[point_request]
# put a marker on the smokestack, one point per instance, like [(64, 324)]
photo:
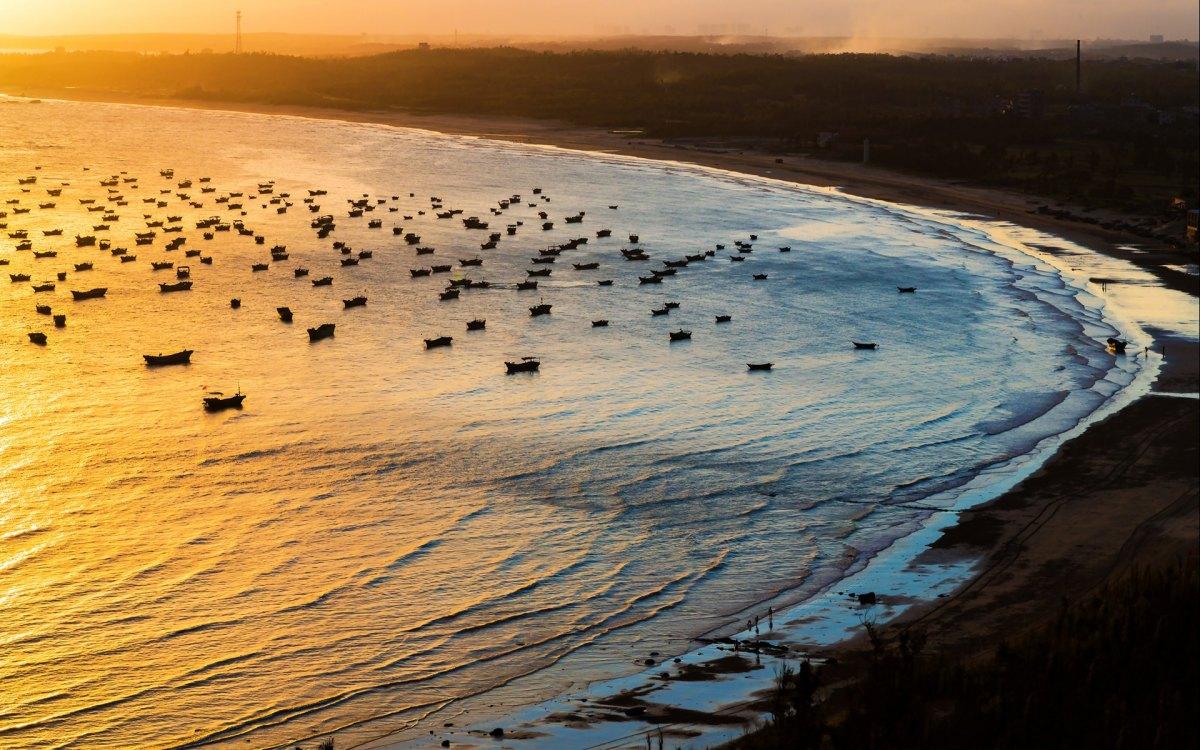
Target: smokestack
[(1078, 67)]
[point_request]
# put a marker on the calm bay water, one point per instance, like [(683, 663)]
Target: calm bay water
[(383, 529)]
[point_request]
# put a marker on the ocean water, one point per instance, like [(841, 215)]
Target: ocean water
[(383, 530)]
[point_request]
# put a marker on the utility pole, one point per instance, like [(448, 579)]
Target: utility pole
[(1078, 67), (237, 46)]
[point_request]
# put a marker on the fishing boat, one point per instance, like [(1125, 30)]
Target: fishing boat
[(259, 266), (649, 279), (760, 277), (182, 357), (42, 309), (439, 341), (285, 314), (349, 261), (724, 318), (83, 266), (660, 311), (37, 337), (538, 272), (586, 266), (680, 335), (603, 233), (760, 365), (602, 323), (527, 364), (218, 401), (605, 282), (906, 289), (323, 281), (235, 303), (541, 309), (95, 293), (323, 331), (470, 262), (161, 265), (178, 286), (864, 345), (478, 324), (359, 301), (448, 294), (298, 272), (60, 321), (523, 286)]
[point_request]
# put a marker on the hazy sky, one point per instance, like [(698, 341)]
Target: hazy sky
[(967, 18)]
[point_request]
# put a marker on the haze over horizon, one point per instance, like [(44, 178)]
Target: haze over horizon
[(1017, 19)]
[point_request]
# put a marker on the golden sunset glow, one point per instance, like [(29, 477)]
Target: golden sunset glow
[(573, 375)]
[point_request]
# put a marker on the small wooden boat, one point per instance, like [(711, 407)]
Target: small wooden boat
[(323, 331), (95, 293), (161, 265), (178, 358), (83, 266), (298, 272), (633, 239), (219, 402), (448, 294), (60, 321), (206, 260), (680, 335), (538, 272), (603, 233), (235, 303), (46, 287), (605, 282), (527, 364), (259, 266), (470, 262), (602, 323), (660, 311), (45, 254), (906, 289), (864, 345), (760, 365), (440, 269), (785, 249), (37, 337), (349, 261), (478, 324), (128, 258), (586, 266), (542, 309), (323, 281), (760, 277), (439, 341), (649, 279), (359, 301), (178, 286), (724, 318), (52, 232), (42, 309), (671, 305), (285, 314), (736, 258), (526, 285), (543, 259)]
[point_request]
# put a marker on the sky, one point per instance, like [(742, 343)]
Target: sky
[(1019, 19)]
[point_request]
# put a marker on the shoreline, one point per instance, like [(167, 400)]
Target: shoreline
[(866, 181), (967, 541)]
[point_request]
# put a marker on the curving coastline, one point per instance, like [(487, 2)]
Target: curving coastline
[(1049, 449)]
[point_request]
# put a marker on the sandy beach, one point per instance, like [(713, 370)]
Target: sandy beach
[(1124, 493)]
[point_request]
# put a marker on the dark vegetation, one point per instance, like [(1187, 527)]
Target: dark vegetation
[(1115, 670), (1126, 141)]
